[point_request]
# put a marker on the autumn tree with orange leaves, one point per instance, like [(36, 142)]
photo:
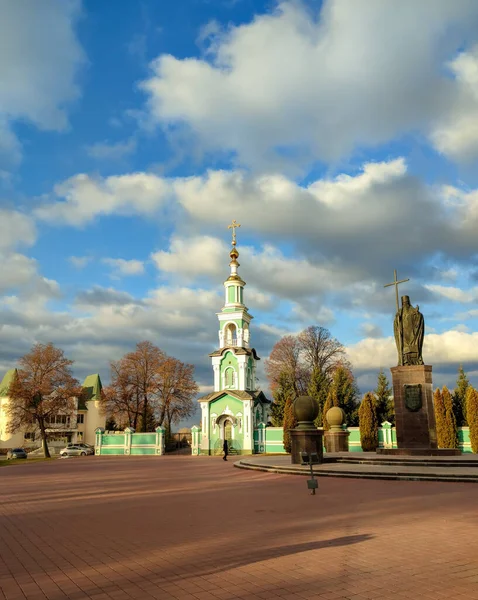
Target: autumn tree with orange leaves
[(149, 388), (42, 390)]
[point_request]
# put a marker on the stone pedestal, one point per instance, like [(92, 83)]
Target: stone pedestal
[(336, 441), (306, 440), (414, 412)]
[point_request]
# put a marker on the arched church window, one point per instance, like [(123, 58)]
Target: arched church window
[(231, 335), (229, 376)]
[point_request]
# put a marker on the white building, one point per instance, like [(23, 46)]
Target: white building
[(78, 427)]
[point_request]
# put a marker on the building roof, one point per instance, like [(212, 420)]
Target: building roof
[(6, 382), (237, 350), (92, 387), (240, 395)]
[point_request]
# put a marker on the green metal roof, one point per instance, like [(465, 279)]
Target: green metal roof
[(6, 382), (92, 387)]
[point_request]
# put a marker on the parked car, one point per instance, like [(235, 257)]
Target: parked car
[(16, 453), (82, 445), (76, 450)]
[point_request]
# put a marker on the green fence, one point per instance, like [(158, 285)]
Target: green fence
[(268, 440), (129, 442)]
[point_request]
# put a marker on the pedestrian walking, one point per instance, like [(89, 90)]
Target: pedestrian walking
[(225, 449)]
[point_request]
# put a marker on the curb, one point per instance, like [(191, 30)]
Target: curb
[(460, 478)]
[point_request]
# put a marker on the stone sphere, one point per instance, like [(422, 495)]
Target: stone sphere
[(306, 409), (335, 417)]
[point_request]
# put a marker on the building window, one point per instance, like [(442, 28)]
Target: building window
[(229, 377), (30, 436), (80, 419)]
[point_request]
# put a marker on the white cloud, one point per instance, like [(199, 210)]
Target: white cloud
[(15, 229), (455, 294), (39, 61), (293, 86), (456, 134), (112, 151), (80, 262), (84, 198), (202, 255), (371, 330), (123, 267), (449, 348)]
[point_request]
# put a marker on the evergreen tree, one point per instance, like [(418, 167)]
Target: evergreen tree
[(289, 423), (347, 393), (384, 400), (368, 423), (440, 417), (319, 388), (281, 393), (451, 434), (472, 416), (459, 398), (330, 401)]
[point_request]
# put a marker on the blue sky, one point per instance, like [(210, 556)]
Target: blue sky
[(343, 137)]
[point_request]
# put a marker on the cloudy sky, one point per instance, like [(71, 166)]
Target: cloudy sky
[(342, 135)]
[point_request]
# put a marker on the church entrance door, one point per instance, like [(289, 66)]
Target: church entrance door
[(228, 431)]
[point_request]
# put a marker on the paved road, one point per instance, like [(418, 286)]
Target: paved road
[(196, 528)]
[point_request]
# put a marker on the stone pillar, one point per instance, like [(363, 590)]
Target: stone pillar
[(414, 412), (99, 433), (195, 433), (160, 440), (128, 434), (306, 437), (336, 439), (306, 440)]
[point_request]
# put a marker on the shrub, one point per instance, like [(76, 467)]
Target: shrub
[(289, 423), (331, 396), (440, 418), (472, 417), (368, 423), (451, 438)]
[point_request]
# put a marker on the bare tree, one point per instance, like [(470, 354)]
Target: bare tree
[(148, 388), (43, 392), (120, 400), (285, 362), (140, 369), (321, 352), (177, 389)]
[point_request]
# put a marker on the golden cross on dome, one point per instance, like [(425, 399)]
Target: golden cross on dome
[(233, 226)]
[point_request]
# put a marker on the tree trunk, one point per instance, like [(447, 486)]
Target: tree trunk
[(46, 450), (144, 427)]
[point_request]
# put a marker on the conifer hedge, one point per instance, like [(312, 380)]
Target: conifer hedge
[(368, 423), (440, 418), (289, 423), (328, 404), (472, 416), (450, 438)]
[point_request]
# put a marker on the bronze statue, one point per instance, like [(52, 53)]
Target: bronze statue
[(409, 330)]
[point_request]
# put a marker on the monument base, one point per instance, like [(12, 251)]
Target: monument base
[(418, 451), (306, 440), (336, 441), (414, 411)]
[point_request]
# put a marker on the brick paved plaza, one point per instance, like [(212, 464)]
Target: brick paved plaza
[(183, 527)]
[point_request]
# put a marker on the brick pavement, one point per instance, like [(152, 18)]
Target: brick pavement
[(196, 528)]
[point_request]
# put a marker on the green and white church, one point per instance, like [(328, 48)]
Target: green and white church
[(235, 407)]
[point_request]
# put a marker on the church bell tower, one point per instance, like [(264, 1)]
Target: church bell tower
[(234, 364)]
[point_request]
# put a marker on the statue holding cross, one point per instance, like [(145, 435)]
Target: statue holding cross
[(408, 328)]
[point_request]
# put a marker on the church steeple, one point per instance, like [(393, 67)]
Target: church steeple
[(238, 371)]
